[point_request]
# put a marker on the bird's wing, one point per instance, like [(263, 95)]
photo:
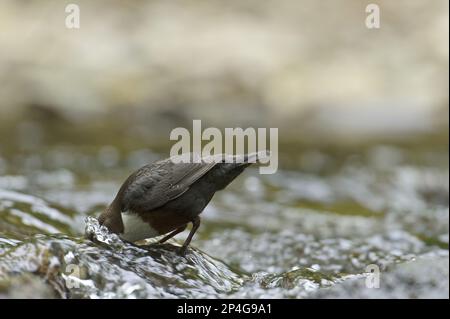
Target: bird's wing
[(156, 184)]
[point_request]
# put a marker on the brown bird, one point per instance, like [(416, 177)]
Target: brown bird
[(163, 197)]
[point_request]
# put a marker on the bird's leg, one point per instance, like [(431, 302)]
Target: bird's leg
[(195, 226), (173, 233)]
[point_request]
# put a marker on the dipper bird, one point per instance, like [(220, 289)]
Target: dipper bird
[(163, 197)]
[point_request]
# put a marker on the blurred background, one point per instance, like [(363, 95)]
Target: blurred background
[(141, 68), (362, 117)]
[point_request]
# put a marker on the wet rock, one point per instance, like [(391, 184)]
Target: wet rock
[(25, 286), (110, 268)]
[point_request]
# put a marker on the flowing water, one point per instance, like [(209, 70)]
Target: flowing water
[(361, 199), (316, 228)]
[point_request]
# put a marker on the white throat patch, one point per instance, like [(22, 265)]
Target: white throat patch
[(135, 228)]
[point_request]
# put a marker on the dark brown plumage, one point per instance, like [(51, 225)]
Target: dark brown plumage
[(164, 197)]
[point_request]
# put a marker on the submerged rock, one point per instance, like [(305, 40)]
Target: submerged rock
[(25, 286), (110, 268)]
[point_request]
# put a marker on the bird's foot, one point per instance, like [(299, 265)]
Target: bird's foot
[(182, 251)]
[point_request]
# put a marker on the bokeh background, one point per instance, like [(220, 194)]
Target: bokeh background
[(362, 117), (311, 68)]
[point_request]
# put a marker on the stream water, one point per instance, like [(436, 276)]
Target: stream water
[(300, 233)]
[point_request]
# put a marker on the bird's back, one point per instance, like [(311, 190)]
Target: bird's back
[(169, 192)]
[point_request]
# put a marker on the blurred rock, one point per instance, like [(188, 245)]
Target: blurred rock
[(25, 286), (273, 63), (426, 277)]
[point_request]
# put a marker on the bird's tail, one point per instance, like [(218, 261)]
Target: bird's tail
[(247, 159), (233, 165), (244, 159), (256, 156)]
